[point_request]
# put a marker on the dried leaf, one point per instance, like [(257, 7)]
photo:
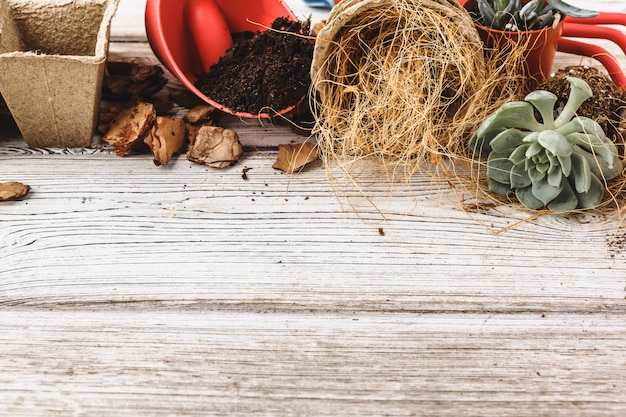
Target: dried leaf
[(293, 157), (215, 147), (130, 127), (165, 139), (13, 190)]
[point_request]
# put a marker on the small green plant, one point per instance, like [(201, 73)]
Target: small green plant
[(560, 164), (514, 15)]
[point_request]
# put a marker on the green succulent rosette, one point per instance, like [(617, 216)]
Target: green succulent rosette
[(560, 164)]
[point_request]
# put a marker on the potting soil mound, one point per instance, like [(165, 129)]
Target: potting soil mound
[(263, 72)]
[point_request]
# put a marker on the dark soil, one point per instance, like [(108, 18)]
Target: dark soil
[(263, 72), (607, 106)]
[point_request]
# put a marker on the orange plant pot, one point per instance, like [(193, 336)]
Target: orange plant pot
[(539, 46)]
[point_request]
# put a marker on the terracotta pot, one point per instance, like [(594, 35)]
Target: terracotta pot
[(540, 46)]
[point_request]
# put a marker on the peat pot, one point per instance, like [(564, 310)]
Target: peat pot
[(52, 59)]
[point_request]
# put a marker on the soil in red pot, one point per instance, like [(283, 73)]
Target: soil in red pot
[(263, 72)]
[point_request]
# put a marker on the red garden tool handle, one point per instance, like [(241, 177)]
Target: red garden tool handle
[(603, 18), (594, 51), (580, 30)]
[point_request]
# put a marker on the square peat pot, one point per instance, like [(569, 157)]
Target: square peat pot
[(52, 59)]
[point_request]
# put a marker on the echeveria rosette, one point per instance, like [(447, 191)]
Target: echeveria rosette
[(560, 164)]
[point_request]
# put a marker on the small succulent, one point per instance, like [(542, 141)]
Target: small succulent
[(560, 164), (514, 15)]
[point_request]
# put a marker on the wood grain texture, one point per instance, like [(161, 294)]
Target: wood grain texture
[(133, 290)]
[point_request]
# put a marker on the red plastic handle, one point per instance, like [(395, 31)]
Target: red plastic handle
[(579, 30), (593, 51), (603, 18)]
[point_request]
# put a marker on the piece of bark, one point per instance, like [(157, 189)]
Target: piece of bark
[(200, 115), (128, 128), (13, 190), (215, 147), (165, 138), (293, 157), (107, 114), (126, 80)]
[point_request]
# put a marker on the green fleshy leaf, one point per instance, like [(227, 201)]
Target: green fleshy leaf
[(510, 138), (533, 149), (569, 10), (517, 114), (555, 143), (499, 167), (545, 192), (544, 102), (535, 175), (519, 177), (528, 200), (565, 162), (498, 188), (566, 201), (555, 177), (593, 197), (542, 167), (519, 154), (581, 173)]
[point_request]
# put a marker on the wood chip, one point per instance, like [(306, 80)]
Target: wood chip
[(293, 157), (200, 115), (13, 190), (215, 147), (165, 138), (129, 127), (126, 80)]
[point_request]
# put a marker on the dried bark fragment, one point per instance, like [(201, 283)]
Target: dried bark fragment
[(126, 80), (129, 127), (13, 190), (215, 147), (198, 116), (293, 157), (107, 114), (165, 139)]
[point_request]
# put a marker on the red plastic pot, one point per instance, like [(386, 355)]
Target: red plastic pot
[(188, 36)]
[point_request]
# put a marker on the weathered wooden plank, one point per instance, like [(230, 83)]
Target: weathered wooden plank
[(189, 363), (99, 229)]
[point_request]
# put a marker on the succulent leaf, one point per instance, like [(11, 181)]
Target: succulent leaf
[(519, 177), (582, 173), (507, 139), (565, 201), (499, 167), (544, 102), (554, 142), (593, 197), (579, 92), (528, 200), (569, 10)]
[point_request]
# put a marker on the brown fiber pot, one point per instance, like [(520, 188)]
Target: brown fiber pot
[(540, 46)]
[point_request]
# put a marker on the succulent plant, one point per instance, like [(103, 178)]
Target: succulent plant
[(514, 15), (558, 163)]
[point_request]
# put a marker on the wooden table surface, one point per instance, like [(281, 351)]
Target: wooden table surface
[(133, 290)]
